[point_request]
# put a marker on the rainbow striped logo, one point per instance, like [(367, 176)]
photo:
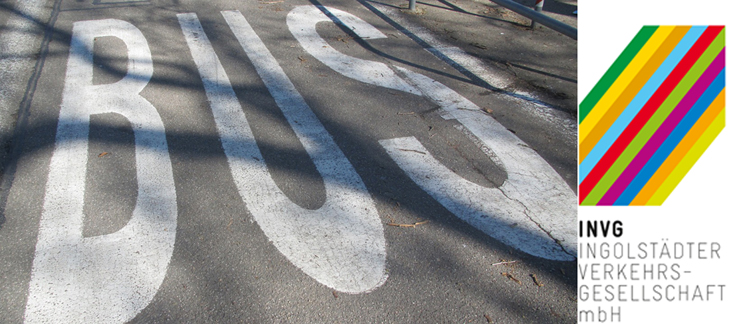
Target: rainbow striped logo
[(652, 115)]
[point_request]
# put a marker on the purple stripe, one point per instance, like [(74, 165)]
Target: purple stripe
[(664, 130)]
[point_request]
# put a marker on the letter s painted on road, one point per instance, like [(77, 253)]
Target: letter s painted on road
[(534, 210)]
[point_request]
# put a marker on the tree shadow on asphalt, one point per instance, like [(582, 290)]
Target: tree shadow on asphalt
[(542, 53), (454, 8), (446, 266), (469, 75), (558, 7)]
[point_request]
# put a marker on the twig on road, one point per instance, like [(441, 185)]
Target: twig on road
[(511, 277), (407, 225), (408, 150)]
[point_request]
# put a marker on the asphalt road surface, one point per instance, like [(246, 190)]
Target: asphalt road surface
[(272, 161)]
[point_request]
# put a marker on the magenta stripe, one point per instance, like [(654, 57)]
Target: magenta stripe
[(664, 130)]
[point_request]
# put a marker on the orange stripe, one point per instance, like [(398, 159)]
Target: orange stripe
[(632, 90), (681, 150)]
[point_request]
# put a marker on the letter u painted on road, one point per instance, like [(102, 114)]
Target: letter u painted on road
[(341, 244), (107, 278)]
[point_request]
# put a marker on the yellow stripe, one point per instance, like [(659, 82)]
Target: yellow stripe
[(681, 150), (623, 80), (632, 90), (693, 155)]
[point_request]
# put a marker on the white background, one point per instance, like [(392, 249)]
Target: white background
[(708, 204)]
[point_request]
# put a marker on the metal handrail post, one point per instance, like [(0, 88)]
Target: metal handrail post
[(412, 5), (538, 8), (539, 18)]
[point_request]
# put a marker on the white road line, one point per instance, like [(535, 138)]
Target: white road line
[(548, 202), (108, 278), (341, 244)]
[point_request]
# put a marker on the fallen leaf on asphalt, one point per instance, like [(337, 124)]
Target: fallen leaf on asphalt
[(489, 319), (536, 281), (103, 154)]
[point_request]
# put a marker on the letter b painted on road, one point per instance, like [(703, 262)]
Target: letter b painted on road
[(107, 278)]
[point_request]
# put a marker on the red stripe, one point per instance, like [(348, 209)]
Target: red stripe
[(647, 111)]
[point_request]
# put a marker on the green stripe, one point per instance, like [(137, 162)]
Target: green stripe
[(656, 120), (614, 71)]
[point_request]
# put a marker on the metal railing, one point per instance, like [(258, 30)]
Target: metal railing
[(535, 16)]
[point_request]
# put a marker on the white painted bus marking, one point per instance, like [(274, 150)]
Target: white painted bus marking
[(548, 202), (107, 278), (488, 209), (341, 244)]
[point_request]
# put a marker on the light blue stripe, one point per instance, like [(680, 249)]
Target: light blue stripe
[(671, 142), (639, 101)]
